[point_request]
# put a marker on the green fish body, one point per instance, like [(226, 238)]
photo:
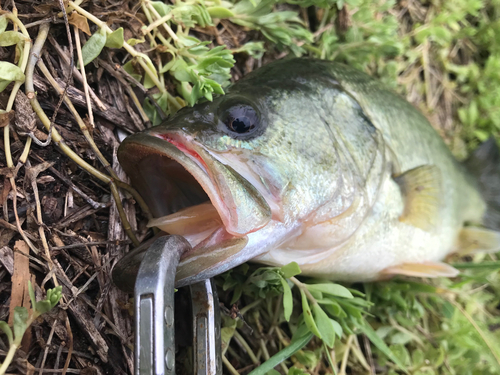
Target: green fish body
[(313, 162)]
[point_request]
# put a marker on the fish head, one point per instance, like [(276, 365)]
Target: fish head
[(257, 161)]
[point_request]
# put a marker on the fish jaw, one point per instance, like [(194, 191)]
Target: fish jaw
[(157, 160), (202, 265), (176, 176)]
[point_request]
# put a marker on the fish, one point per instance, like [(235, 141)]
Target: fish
[(318, 163)]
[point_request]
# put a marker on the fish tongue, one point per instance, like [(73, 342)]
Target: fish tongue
[(193, 223)]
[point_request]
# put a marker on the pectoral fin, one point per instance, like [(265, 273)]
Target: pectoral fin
[(421, 188), (477, 240), (426, 269)]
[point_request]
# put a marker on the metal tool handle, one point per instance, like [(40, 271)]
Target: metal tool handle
[(206, 329), (154, 307)]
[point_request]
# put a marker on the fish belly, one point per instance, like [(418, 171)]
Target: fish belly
[(381, 241)]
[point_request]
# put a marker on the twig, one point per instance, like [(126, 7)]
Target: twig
[(135, 100), (33, 174), (47, 346), (247, 347), (85, 84), (70, 346), (85, 244), (63, 94), (79, 120), (40, 22), (368, 351), (64, 56), (75, 188)]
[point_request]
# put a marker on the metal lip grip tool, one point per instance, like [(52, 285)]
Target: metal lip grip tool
[(154, 309)]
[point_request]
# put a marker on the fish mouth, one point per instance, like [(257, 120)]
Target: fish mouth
[(192, 194)]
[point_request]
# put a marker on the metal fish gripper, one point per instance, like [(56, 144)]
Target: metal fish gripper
[(154, 314)]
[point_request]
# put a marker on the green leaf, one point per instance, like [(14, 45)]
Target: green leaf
[(168, 66), (10, 72), (162, 8), (6, 329), (254, 49), (56, 295), (43, 306), (20, 322), (115, 39), (291, 269), (32, 294), (287, 299), (282, 355), (216, 87), (130, 69), (296, 371), (308, 317), (380, 344), (219, 12), (93, 47), (218, 60), (133, 41), (9, 38), (324, 324), (402, 353), (226, 334), (3, 23), (337, 328), (238, 291), (186, 91), (330, 288), (332, 307), (4, 84), (400, 338), (148, 82)]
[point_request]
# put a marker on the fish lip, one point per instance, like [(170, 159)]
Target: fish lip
[(185, 151)]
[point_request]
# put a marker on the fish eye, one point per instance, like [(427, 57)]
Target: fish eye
[(240, 118)]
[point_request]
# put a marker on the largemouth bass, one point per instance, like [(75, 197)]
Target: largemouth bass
[(313, 162)]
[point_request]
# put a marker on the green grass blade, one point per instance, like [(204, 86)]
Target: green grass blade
[(282, 355), (494, 265), (380, 344)]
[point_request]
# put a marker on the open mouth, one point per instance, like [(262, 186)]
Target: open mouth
[(190, 193)]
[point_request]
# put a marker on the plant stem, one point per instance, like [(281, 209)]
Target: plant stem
[(26, 151), (8, 359), (157, 23), (165, 26), (228, 365), (303, 287), (17, 85), (247, 347)]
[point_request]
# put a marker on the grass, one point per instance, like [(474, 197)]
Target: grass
[(443, 56)]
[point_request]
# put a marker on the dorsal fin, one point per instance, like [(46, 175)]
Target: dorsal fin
[(421, 188)]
